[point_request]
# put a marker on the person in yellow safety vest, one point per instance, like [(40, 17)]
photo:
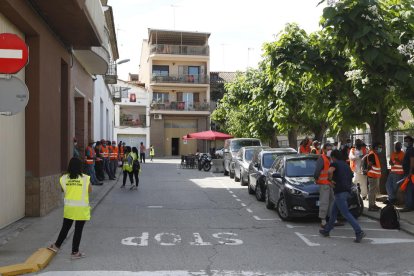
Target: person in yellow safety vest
[(113, 159), (152, 152), (136, 167), (396, 173), (315, 149), (374, 175), (355, 161), (127, 167), (76, 187), (326, 195)]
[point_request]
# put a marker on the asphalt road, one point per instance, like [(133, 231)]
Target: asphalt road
[(186, 222)]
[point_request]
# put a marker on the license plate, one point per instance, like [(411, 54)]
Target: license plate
[(317, 203)]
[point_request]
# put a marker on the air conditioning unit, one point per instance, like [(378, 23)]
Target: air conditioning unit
[(157, 116)]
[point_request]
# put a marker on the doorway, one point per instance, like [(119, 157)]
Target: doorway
[(175, 142)]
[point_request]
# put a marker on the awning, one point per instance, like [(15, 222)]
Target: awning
[(207, 135)]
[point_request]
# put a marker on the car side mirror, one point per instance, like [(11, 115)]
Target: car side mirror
[(276, 175), (256, 165)]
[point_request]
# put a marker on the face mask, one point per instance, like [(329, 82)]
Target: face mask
[(349, 144), (379, 150), (328, 153), (407, 144), (334, 147)]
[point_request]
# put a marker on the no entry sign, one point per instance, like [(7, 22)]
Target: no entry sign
[(13, 53)]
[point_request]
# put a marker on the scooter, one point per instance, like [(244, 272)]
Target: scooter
[(204, 162)]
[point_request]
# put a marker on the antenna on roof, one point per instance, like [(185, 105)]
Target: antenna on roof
[(174, 6)]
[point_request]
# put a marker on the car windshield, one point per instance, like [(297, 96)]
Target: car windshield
[(248, 155), (236, 145), (300, 167), (269, 158)]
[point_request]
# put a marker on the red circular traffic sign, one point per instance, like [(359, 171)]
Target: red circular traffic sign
[(13, 53)]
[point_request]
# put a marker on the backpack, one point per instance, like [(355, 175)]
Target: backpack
[(389, 217)]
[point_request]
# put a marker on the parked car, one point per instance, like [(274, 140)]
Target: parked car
[(231, 147), (219, 153), (243, 159), (261, 163), (291, 188)]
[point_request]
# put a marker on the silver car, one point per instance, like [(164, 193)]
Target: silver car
[(231, 147), (241, 165)]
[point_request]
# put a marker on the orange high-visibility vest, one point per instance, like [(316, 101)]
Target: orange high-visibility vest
[(121, 153), (315, 150), (105, 152), (90, 154), (304, 149), (353, 162), (397, 167), (114, 153), (375, 171), (323, 176), (407, 180)]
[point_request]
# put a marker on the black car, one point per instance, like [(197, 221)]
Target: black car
[(261, 162), (291, 188)]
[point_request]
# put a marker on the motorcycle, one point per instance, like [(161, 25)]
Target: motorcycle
[(204, 162)]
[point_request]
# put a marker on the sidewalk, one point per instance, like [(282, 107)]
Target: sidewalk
[(20, 239), (406, 219)]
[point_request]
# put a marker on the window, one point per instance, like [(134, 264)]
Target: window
[(248, 156), (160, 70), (131, 117), (160, 97), (189, 98), (300, 167)]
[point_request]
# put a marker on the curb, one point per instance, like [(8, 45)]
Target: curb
[(404, 225), (43, 256)]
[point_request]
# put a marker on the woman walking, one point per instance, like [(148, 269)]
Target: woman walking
[(152, 152), (127, 167), (136, 167), (76, 187)]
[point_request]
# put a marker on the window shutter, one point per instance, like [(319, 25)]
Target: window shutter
[(179, 96), (196, 97)]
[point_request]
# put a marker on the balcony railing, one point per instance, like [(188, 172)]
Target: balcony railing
[(197, 79), (181, 106), (168, 49), (126, 121)]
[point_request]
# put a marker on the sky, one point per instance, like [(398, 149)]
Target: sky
[(238, 28)]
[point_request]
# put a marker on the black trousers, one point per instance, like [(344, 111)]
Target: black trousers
[(99, 170), (67, 224), (131, 177), (142, 157), (136, 173)]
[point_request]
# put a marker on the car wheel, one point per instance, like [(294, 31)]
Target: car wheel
[(226, 172), (242, 182), (249, 188), (282, 209), (231, 174), (269, 204), (236, 179), (259, 192)]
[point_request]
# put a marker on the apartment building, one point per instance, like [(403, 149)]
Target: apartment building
[(67, 51), (175, 68), (132, 120)]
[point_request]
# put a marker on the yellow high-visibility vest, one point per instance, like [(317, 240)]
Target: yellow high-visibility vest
[(152, 151), (126, 166), (76, 197)]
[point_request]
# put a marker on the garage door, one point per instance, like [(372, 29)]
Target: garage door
[(132, 140)]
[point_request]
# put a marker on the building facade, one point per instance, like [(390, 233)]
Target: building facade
[(65, 54), (132, 120), (175, 68)]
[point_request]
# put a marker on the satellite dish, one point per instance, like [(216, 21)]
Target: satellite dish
[(14, 96)]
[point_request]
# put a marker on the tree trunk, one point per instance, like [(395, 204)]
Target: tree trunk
[(319, 133), (274, 142), (377, 126), (293, 137), (343, 135)]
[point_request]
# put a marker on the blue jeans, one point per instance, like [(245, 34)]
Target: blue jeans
[(91, 172), (340, 204), (392, 186)]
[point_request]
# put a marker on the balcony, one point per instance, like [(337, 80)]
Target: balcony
[(189, 79), (190, 50), (95, 60), (180, 106)]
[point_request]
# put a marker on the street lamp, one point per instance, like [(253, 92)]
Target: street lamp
[(123, 61)]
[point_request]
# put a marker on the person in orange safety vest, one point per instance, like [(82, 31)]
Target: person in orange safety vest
[(304, 147), (356, 154), (374, 175), (113, 158), (90, 163), (396, 173)]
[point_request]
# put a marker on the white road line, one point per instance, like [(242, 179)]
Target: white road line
[(368, 229), (242, 204), (154, 207), (11, 53), (249, 210), (257, 218), (294, 226), (373, 240), (234, 195), (231, 192), (305, 240), (238, 199)]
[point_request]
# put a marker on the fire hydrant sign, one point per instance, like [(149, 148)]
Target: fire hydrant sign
[(13, 53)]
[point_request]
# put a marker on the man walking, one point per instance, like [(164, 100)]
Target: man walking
[(355, 157), (326, 195), (396, 174), (408, 167), (142, 150), (340, 176), (374, 175)]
